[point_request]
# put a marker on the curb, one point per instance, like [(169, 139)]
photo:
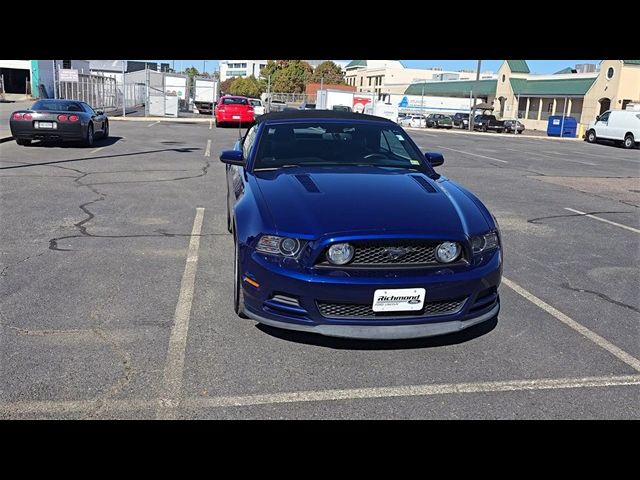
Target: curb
[(160, 119), (5, 139), (501, 135)]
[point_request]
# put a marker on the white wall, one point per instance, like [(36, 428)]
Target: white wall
[(18, 64)]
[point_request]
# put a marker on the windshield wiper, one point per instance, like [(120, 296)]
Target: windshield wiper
[(264, 169)]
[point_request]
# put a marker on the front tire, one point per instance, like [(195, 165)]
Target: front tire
[(238, 294), (105, 132), (24, 143), (629, 141), (591, 136), (88, 139)]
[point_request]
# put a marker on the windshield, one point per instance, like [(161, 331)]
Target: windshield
[(256, 103), (234, 101), (57, 106), (337, 144)]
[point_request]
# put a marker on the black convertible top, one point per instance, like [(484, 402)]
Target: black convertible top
[(318, 114)]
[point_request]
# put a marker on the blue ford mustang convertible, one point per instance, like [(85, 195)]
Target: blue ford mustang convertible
[(342, 227)]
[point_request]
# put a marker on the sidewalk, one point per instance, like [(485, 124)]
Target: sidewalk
[(5, 136), (453, 131), (161, 119)]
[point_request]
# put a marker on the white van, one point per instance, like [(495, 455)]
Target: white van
[(618, 125)]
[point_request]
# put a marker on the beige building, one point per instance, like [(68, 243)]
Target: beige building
[(516, 93), (390, 76)]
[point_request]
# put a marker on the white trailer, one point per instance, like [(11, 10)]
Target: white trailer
[(432, 104), (328, 98), (205, 93)]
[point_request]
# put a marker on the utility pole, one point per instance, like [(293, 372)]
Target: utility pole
[(422, 109), (55, 87), (269, 94), (204, 69), (475, 96), (124, 92)]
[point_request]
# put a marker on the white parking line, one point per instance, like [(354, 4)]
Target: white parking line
[(152, 124), (562, 159), (410, 391), (603, 220), (114, 405), (594, 337), (174, 367), (474, 154), (207, 151), (97, 150), (424, 133), (607, 158), (210, 123)]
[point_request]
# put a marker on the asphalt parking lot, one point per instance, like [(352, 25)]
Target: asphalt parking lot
[(116, 291)]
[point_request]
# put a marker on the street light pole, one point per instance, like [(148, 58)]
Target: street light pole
[(475, 96)]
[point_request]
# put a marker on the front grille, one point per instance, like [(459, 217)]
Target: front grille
[(351, 310), (388, 254)]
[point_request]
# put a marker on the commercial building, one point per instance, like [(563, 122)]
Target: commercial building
[(240, 68), (384, 77), (35, 77), (582, 92)]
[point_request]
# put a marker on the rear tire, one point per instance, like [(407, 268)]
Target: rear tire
[(105, 132), (629, 141), (238, 294), (484, 128), (24, 143), (591, 136), (88, 139)]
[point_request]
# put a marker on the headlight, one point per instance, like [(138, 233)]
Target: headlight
[(340, 253), (447, 252), (289, 247), (485, 242)]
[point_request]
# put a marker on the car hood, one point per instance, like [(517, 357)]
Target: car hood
[(320, 201)]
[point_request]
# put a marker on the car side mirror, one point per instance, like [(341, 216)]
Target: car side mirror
[(435, 158), (597, 118), (100, 112), (232, 157)]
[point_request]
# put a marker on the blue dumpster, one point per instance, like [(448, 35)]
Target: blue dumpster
[(568, 127)]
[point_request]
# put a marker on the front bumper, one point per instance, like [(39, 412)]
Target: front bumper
[(475, 285)]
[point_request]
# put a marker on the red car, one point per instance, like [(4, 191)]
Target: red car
[(231, 109)]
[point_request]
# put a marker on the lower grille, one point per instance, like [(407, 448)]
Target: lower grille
[(351, 310)]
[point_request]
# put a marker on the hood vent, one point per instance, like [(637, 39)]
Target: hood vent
[(308, 183), (424, 183)]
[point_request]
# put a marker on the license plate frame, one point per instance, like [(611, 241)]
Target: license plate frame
[(398, 299)]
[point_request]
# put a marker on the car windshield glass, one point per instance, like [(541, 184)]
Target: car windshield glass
[(255, 103), (337, 144), (57, 106), (234, 101)]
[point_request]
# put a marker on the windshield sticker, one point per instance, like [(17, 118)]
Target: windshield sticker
[(400, 137), (415, 162)]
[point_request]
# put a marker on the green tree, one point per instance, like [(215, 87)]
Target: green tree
[(191, 72), (292, 77), (225, 86), (329, 72), (246, 87)]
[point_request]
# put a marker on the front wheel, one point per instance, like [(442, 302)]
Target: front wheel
[(105, 131), (591, 136), (629, 141), (238, 294)]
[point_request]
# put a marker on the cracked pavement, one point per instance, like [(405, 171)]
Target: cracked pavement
[(93, 251)]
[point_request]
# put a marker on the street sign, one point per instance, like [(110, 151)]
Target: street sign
[(68, 75)]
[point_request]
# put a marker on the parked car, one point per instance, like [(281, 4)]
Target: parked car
[(438, 120), (461, 120), (621, 126), (234, 109), (61, 120), (488, 122), (327, 212), (307, 106), (414, 121), (277, 105), (341, 108), (515, 126), (258, 106)]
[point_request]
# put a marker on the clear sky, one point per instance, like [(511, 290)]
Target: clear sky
[(536, 66)]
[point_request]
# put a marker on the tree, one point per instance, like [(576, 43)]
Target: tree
[(292, 78), (225, 86), (246, 87), (191, 72), (329, 72)]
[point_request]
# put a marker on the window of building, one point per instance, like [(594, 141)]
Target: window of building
[(370, 78), (503, 77), (361, 78), (610, 73), (625, 103), (66, 63)]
